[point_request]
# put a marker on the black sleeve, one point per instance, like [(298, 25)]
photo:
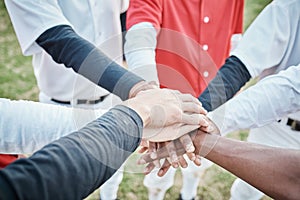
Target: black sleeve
[(66, 47), (74, 166), (230, 78)]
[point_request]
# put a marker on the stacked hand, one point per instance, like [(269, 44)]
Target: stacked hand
[(167, 115), (176, 148)]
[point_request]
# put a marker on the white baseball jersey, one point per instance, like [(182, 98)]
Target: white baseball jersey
[(269, 100), (270, 44), (97, 21)]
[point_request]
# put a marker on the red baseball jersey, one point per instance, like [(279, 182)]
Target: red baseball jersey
[(193, 38)]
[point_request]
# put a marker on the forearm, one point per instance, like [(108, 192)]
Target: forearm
[(274, 171), (140, 51), (228, 81), (38, 124), (78, 163), (66, 47)]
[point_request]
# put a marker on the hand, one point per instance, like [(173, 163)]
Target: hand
[(167, 114), (142, 86), (144, 146), (186, 142), (202, 144), (165, 151), (173, 160)]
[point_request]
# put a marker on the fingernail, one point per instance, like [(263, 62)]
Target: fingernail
[(210, 129), (160, 172), (198, 160), (141, 162), (175, 165), (190, 148), (174, 158), (153, 155), (193, 158)]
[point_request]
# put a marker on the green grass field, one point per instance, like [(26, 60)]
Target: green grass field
[(17, 82)]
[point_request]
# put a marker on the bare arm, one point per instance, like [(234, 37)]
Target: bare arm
[(274, 171)]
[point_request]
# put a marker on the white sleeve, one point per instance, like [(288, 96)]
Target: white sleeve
[(139, 50), (26, 126), (270, 99), (31, 18), (268, 38), (124, 4), (235, 40)]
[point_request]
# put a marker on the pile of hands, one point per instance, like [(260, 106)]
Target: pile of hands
[(175, 125)]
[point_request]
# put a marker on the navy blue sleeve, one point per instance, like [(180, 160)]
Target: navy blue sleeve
[(230, 78), (68, 48), (74, 166)]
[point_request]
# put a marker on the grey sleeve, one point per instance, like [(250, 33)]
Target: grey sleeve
[(228, 81), (67, 47), (74, 166)]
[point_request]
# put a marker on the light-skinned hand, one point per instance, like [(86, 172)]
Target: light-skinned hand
[(167, 114)]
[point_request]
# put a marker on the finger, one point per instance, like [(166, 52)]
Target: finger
[(156, 163), (164, 169), (152, 149), (197, 161), (144, 143), (151, 155), (182, 130), (182, 162), (211, 128), (191, 156), (194, 119), (149, 168), (144, 159), (172, 154), (143, 149), (187, 143), (192, 107), (162, 152), (189, 98)]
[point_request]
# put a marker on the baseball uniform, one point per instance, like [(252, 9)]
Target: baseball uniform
[(181, 45), (74, 166), (269, 45), (70, 37)]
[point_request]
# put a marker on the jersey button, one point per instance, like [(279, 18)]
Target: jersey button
[(205, 47), (206, 19), (205, 74)]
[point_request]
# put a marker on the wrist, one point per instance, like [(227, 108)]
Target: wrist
[(208, 143), (141, 86), (142, 110)]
